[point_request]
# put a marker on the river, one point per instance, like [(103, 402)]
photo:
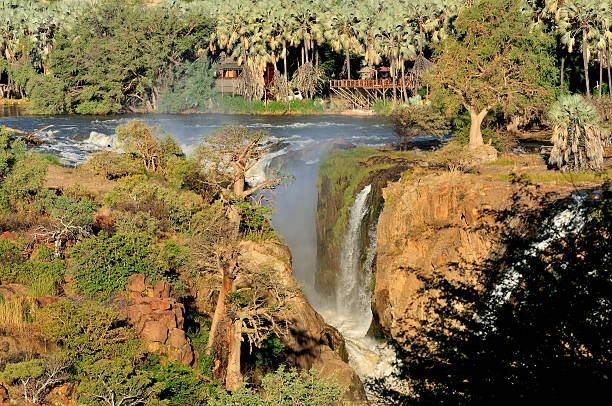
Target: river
[(304, 141)]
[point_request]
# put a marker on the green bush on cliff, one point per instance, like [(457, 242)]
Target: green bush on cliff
[(287, 387), (43, 273), (103, 263), (171, 207)]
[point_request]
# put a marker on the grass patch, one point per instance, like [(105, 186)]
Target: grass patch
[(53, 159), (16, 314), (558, 176)]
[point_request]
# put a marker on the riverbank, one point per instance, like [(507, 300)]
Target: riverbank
[(239, 105)]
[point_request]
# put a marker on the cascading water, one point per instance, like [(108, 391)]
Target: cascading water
[(570, 220), (352, 295), (352, 313)]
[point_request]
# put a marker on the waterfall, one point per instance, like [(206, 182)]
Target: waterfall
[(352, 313), (570, 220), (352, 294)]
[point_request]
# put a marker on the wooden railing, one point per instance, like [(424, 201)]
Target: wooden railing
[(364, 83)]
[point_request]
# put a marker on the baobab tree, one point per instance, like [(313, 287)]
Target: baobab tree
[(495, 58), (250, 300)]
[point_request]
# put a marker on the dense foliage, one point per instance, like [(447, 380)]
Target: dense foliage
[(167, 64), (97, 73)]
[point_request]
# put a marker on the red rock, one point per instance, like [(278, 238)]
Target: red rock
[(177, 338), (155, 331), (159, 304), (168, 319), (136, 283), (161, 290)]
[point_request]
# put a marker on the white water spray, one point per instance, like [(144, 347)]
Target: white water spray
[(352, 316), (352, 295), (570, 220)]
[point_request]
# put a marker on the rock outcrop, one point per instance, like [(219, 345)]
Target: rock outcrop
[(158, 319), (428, 224), (312, 343)]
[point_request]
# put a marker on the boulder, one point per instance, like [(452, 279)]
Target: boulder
[(136, 283), (158, 319), (161, 290), (154, 331)]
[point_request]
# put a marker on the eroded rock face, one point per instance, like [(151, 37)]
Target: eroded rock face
[(312, 343), (158, 319), (430, 224)]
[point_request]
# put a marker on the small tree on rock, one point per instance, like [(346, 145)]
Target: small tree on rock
[(414, 120)]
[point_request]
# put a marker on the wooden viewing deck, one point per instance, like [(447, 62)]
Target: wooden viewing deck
[(385, 83)]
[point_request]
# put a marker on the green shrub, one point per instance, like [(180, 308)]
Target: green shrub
[(182, 385), (112, 165), (184, 173), (104, 263), (172, 208), (43, 273), (255, 224), (21, 174), (88, 331), (288, 388)]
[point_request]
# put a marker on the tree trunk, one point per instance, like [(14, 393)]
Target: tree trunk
[(404, 94), (233, 377), (609, 76), (562, 72), (394, 88), (348, 64), (475, 127), (585, 58), (285, 63), (600, 73), (220, 331)]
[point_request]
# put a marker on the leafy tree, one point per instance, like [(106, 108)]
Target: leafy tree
[(147, 142), (287, 387), (577, 136), (102, 75), (119, 382), (37, 376), (21, 174), (88, 331), (495, 57), (192, 91), (579, 19)]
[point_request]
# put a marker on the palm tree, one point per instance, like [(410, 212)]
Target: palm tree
[(340, 30), (577, 137), (579, 18)]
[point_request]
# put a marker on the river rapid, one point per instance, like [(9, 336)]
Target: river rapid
[(304, 142)]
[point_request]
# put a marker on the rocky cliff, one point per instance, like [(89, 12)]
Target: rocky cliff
[(431, 223), (312, 343)]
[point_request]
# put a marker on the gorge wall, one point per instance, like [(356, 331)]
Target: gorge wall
[(432, 223)]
